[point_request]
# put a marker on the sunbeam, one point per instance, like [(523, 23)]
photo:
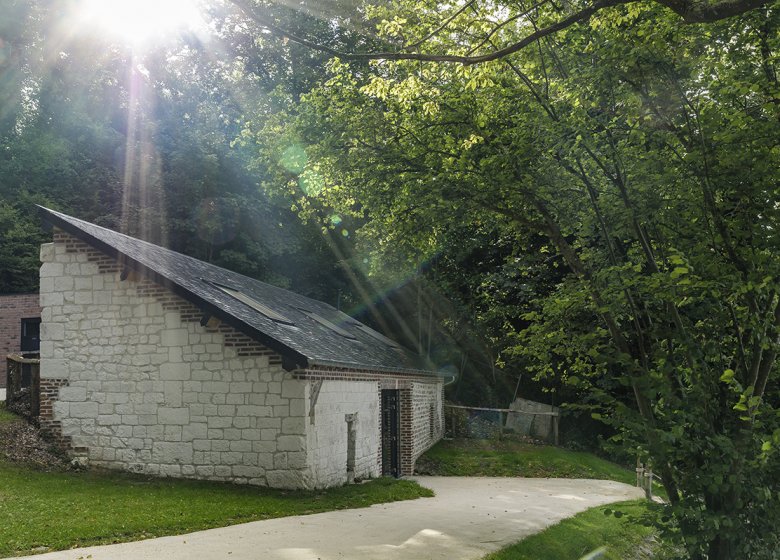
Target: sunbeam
[(141, 22)]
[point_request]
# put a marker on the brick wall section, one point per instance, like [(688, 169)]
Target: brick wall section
[(14, 308), (50, 389), (427, 418), (142, 386)]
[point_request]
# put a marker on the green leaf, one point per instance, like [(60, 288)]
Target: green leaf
[(679, 271)]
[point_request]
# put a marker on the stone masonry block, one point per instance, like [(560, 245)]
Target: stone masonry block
[(290, 443), (62, 283), (175, 337), (178, 416), (53, 331), (175, 372), (172, 452), (264, 446), (83, 410), (194, 431), (296, 460), (292, 389), (172, 433), (173, 393), (73, 394), (52, 269), (297, 407), (47, 252), (83, 297), (293, 426), (49, 299), (216, 422), (247, 471), (265, 460), (285, 479)]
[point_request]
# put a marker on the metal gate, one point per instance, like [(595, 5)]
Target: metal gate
[(391, 449)]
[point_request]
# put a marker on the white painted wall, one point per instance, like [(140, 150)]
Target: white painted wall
[(326, 437)]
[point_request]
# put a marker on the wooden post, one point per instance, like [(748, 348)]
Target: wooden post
[(649, 491), (639, 472)]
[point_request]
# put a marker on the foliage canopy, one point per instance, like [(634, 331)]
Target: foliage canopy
[(646, 153)]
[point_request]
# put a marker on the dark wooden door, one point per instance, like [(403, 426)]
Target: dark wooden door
[(391, 442)]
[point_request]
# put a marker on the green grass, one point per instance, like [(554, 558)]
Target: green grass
[(6, 416), (586, 532), (464, 457), (64, 510)]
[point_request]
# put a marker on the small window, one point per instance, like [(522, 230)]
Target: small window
[(332, 326), (256, 305)]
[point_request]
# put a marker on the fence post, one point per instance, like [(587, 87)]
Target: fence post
[(649, 483)]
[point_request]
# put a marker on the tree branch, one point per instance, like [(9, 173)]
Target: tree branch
[(697, 11), (691, 11)]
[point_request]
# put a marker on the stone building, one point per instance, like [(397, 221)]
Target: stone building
[(20, 319), (157, 363)]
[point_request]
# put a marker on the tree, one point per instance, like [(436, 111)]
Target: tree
[(141, 142), (646, 152), (478, 28)]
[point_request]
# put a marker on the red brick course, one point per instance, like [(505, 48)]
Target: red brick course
[(14, 308)]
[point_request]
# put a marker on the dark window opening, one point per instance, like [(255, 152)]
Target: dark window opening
[(31, 335)]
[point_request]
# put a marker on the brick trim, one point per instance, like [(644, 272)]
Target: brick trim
[(189, 313), (346, 374), (50, 427)]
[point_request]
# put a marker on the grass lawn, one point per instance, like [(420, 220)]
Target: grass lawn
[(6, 416), (60, 510), (621, 537), (571, 539), (470, 457)]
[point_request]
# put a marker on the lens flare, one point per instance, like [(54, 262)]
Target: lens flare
[(311, 182), (293, 159), (140, 22)]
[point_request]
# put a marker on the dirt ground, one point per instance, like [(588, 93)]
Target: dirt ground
[(22, 443)]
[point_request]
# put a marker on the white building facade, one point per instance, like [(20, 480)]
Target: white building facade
[(139, 375)]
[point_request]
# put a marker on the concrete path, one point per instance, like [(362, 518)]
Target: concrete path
[(468, 518)]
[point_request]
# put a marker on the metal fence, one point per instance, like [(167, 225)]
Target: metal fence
[(491, 423)]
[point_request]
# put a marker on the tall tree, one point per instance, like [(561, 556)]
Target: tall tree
[(646, 152)]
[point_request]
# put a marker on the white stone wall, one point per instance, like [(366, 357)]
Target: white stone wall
[(148, 389), (326, 440)]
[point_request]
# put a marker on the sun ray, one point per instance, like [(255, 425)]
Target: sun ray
[(140, 23)]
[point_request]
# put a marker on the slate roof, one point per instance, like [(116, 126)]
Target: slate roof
[(309, 341)]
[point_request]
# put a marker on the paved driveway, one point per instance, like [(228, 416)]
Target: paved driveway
[(468, 518)]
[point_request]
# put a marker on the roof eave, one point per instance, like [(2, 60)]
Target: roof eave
[(383, 369)]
